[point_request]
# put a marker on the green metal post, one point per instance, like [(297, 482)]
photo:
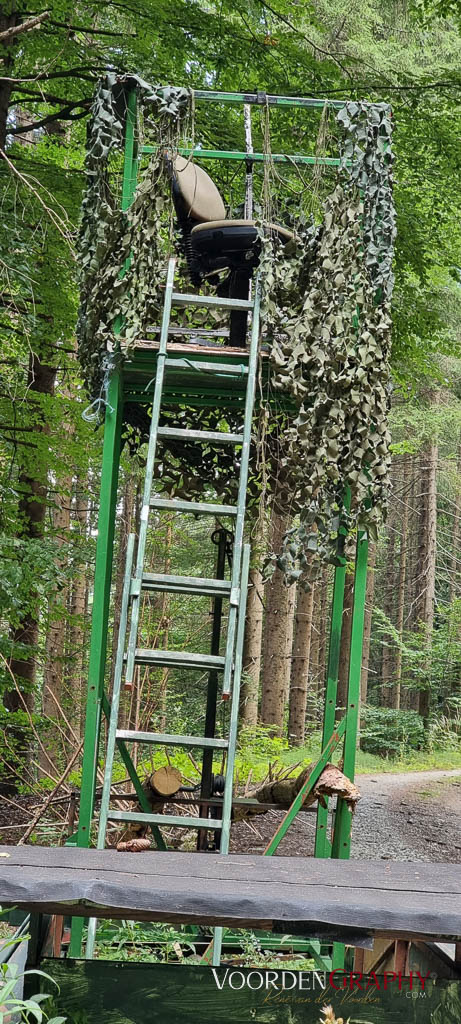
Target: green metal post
[(343, 820), (322, 843), (130, 161), (100, 620), (104, 553)]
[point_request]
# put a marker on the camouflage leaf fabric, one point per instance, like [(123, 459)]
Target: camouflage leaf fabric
[(327, 313)]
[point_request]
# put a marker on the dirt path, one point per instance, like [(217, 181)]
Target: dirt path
[(414, 816)]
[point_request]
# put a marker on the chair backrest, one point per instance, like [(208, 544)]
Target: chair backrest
[(201, 199)]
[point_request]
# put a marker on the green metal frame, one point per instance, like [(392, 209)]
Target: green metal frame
[(130, 384)]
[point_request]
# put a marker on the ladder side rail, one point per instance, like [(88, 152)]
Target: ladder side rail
[(241, 500), (233, 726), (153, 434), (234, 712), (115, 703)]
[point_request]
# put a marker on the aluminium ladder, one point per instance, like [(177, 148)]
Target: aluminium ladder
[(138, 582)]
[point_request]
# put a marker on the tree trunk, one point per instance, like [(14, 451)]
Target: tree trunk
[(53, 689), (32, 509), (409, 697), (76, 648), (369, 596), (454, 561), (165, 623), (300, 656), (427, 560), (400, 613), (320, 638), (387, 654), (7, 21), (276, 632), (344, 654), (32, 484), (252, 649)]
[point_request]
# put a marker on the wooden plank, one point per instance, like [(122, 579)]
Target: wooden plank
[(295, 894), (405, 875)]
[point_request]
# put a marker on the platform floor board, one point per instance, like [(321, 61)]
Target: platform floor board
[(303, 895)]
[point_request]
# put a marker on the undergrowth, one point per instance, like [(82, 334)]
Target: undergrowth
[(257, 749)]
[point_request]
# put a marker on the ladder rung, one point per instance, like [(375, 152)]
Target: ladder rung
[(200, 435), (165, 819), (171, 740), (210, 301), (178, 659), (195, 507), (184, 585), (216, 369)]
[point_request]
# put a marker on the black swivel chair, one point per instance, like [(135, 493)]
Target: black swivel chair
[(213, 243)]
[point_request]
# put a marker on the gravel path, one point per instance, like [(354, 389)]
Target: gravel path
[(413, 816)]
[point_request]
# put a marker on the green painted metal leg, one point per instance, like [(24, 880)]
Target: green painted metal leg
[(322, 844), (343, 819), (100, 620)]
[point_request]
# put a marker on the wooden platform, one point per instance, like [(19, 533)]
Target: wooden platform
[(351, 900), (185, 384)]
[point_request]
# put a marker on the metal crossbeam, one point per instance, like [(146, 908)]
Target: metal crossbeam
[(258, 158)]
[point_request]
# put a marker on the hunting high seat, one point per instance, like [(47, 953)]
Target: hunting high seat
[(213, 242)]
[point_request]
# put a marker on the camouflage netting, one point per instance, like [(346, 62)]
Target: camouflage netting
[(121, 257), (326, 315)]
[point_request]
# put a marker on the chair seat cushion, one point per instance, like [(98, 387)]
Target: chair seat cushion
[(227, 225)]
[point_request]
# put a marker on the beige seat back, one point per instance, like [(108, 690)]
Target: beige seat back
[(199, 193)]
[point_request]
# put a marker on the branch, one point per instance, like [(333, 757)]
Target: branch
[(65, 114), (92, 31), (15, 30), (58, 222), (49, 798), (48, 76)]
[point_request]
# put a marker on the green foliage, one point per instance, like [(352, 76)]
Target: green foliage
[(256, 749), (30, 1009), (390, 733), (135, 941), (12, 979)]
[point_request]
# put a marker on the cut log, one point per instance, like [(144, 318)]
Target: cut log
[(158, 788), (332, 782), (165, 781)]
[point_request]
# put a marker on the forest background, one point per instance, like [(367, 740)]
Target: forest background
[(403, 52)]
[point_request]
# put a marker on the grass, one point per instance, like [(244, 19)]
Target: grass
[(258, 749)]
